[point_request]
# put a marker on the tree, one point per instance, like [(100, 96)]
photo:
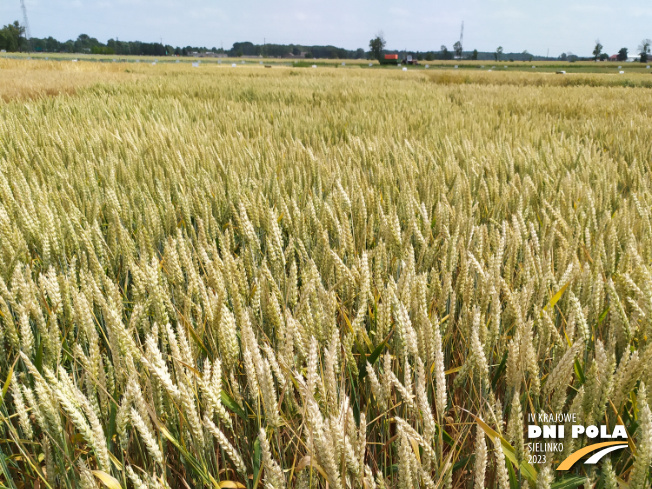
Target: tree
[(457, 47), (498, 53), (11, 37), (622, 54), (445, 53), (85, 43), (359, 53), (644, 50), (597, 50), (376, 46), (429, 56), (474, 56)]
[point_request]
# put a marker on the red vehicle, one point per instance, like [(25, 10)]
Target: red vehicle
[(393, 59), (390, 59)]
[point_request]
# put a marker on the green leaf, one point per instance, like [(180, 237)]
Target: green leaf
[(379, 349), (356, 402), (195, 337), (501, 368), (38, 361), (111, 430), (374, 356), (106, 479), (5, 388), (463, 462), (569, 482), (228, 401), (5, 470), (513, 481), (194, 463), (257, 459), (603, 315), (579, 371), (447, 438)]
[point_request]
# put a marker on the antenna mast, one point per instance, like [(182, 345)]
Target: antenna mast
[(462, 37), (28, 36)]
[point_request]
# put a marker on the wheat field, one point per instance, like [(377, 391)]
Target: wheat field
[(250, 278)]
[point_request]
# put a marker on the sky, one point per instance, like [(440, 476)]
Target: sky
[(540, 27)]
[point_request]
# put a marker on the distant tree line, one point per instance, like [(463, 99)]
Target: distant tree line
[(12, 39), (86, 44), (296, 50)]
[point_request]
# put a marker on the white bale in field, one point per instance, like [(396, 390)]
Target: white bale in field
[(74, 60), (343, 63), (427, 66), (233, 65), (455, 66), (533, 66), (648, 67), (621, 72), (195, 64), (371, 64), (619, 67), (314, 66), (404, 68)]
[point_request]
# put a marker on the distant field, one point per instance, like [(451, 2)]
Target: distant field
[(25, 79), (336, 277), (533, 66)]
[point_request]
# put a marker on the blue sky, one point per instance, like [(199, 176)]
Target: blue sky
[(517, 25)]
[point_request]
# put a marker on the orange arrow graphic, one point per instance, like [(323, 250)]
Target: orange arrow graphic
[(575, 456)]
